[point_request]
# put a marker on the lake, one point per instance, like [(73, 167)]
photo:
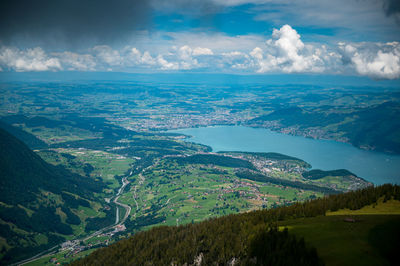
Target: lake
[(376, 167)]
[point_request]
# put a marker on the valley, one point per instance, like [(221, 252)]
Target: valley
[(344, 229), (361, 116), (199, 132), (146, 177)]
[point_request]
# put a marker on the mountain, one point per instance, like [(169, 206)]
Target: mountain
[(38, 202), (31, 140), (274, 236), (374, 127)]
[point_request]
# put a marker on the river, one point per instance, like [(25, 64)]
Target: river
[(373, 166)]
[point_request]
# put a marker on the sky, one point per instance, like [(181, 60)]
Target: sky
[(262, 37)]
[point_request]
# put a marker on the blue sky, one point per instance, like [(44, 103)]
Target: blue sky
[(263, 37)]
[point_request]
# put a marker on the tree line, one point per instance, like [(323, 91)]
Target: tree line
[(247, 239)]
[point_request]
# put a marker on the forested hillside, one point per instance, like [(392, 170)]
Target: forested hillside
[(251, 238), (38, 201), (375, 127), (31, 140)]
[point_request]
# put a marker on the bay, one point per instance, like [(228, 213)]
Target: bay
[(373, 166)]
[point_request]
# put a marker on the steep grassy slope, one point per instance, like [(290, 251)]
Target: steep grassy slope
[(252, 238), (23, 174), (340, 241), (38, 201)]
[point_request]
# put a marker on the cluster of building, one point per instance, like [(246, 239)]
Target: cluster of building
[(76, 246), (186, 120)]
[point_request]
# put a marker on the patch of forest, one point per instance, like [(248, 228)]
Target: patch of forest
[(219, 160), (271, 156), (283, 182), (318, 174), (247, 239)]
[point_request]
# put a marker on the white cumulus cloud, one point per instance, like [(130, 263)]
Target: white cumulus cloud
[(134, 57), (287, 53), (281, 52), (184, 58), (376, 60), (202, 51), (109, 56), (165, 65), (28, 60), (237, 60), (77, 62)]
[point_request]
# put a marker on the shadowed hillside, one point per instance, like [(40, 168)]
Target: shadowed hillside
[(38, 201)]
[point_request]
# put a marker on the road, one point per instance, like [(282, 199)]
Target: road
[(118, 222), (127, 208), (42, 254)]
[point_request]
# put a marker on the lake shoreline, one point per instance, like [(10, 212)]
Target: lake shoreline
[(379, 167), (364, 148)]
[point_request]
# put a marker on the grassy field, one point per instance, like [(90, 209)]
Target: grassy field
[(57, 135), (176, 194), (191, 193), (365, 241), (172, 193), (105, 165), (390, 207)]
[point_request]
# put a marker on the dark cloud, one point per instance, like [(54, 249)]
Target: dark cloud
[(201, 11), (392, 8), (71, 21), (197, 8)]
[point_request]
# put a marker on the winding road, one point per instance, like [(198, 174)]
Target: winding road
[(127, 208)]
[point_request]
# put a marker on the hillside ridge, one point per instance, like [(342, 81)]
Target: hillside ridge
[(233, 237)]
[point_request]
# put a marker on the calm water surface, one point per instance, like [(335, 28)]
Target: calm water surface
[(376, 167)]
